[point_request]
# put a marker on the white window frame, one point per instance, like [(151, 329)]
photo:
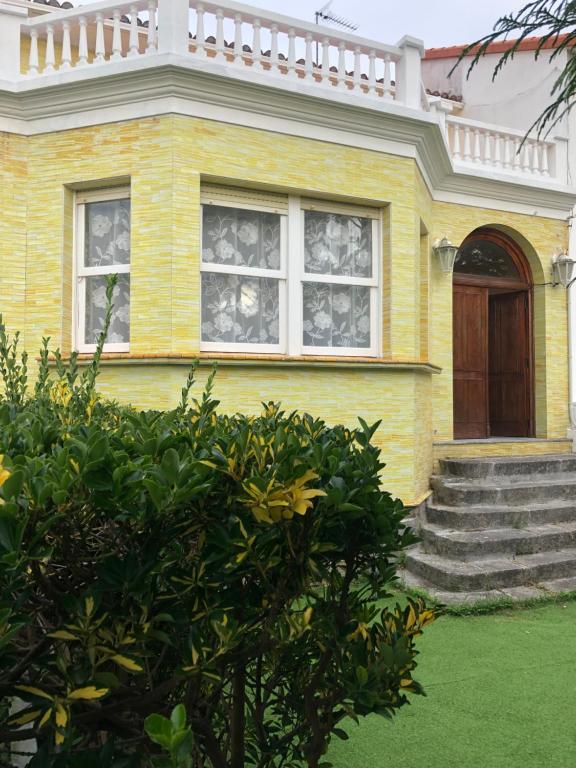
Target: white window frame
[(81, 272), (292, 276), (230, 269)]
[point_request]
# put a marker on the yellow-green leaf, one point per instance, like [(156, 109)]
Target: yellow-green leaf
[(61, 715), (61, 634), (127, 663), (87, 693), (89, 603), (35, 692), (25, 718), (45, 718)]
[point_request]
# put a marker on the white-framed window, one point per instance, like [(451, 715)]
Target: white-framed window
[(288, 275), (243, 273), (102, 248)]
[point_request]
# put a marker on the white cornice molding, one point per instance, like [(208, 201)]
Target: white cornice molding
[(167, 84)]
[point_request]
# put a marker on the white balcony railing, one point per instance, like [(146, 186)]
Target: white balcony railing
[(491, 147), (249, 39), (41, 45)]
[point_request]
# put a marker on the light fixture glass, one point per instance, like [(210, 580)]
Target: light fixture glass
[(563, 269), (446, 253)]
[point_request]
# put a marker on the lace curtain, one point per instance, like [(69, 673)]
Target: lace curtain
[(107, 245), (240, 308), (337, 314)]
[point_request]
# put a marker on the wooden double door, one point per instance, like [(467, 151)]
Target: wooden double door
[(492, 347)]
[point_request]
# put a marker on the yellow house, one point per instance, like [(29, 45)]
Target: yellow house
[(272, 194)]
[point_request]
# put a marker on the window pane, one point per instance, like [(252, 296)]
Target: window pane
[(107, 233), (239, 309), (240, 238), (483, 257), (119, 331), (337, 245), (336, 315)]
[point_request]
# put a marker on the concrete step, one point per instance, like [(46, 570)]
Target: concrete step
[(509, 466), (469, 545), (546, 588), (519, 490), (496, 572), (482, 517)]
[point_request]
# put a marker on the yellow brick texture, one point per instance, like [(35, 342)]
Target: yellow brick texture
[(165, 161)]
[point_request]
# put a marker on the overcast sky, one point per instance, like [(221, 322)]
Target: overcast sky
[(437, 22)]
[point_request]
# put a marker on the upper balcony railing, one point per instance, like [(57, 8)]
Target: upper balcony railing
[(490, 147), (252, 40), (40, 45)]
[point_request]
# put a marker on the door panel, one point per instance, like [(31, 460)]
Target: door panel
[(509, 365), (470, 313)]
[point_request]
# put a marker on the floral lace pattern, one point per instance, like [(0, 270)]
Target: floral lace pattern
[(107, 244), (336, 315), (238, 309), (107, 233), (119, 331), (236, 237), (337, 245)]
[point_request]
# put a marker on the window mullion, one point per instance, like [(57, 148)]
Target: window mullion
[(295, 275)]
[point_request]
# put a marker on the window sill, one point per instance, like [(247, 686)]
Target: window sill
[(259, 361)]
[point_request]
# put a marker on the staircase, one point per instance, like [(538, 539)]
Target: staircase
[(497, 527)]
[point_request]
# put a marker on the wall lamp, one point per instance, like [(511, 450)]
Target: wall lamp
[(563, 269), (446, 254)]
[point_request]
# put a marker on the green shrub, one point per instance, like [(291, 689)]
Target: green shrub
[(230, 564)]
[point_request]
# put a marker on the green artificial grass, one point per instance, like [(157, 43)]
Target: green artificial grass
[(501, 693)]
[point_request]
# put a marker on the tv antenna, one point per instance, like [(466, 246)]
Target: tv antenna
[(325, 14)]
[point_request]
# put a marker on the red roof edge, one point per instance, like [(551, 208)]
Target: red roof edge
[(501, 46)]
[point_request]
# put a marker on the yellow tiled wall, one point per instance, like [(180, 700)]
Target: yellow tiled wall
[(165, 159)]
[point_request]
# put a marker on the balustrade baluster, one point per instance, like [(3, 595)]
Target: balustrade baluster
[(356, 79), (66, 61), (516, 160), (467, 154), (308, 62), (50, 57), (99, 49), (387, 85), (116, 37), (292, 53), (476, 147), (545, 164), (274, 61), (256, 45), (200, 34), (133, 42), (220, 55), (487, 159), (342, 66), (535, 167), (82, 42), (372, 73), (151, 42), (326, 61), (33, 56), (238, 39), (526, 158), (507, 160), (456, 154), (497, 160)]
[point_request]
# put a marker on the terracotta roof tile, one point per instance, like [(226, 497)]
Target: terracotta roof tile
[(528, 44)]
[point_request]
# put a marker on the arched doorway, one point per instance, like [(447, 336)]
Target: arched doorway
[(492, 339)]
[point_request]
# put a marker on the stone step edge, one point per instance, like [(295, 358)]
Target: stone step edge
[(498, 482), (529, 531), (500, 571), (479, 509), (545, 590)]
